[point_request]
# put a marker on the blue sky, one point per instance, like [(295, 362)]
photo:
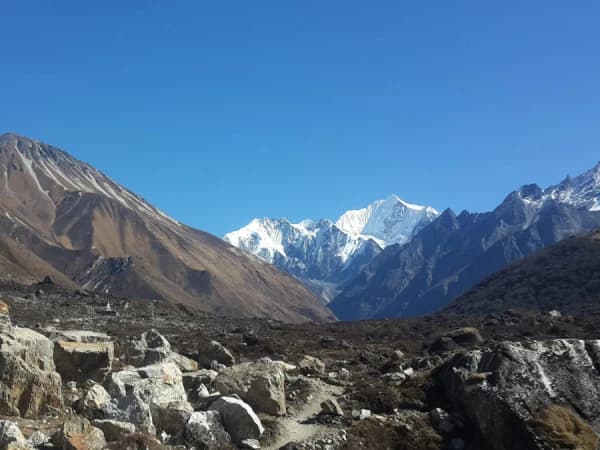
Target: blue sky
[(218, 112)]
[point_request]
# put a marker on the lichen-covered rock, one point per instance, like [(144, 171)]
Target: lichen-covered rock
[(261, 384), (205, 430), (505, 390), (29, 384), (160, 387), (309, 365), (82, 361), (151, 348), (131, 409), (184, 363), (172, 418), (93, 401), (238, 418), (113, 429), (77, 433)]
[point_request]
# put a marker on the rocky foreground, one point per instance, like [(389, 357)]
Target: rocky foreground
[(82, 371)]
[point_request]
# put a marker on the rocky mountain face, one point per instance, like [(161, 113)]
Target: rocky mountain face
[(453, 253), (323, 254), (63, 218), (564, 277)]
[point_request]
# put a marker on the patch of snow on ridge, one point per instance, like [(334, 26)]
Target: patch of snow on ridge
[(75, 176), (582, 191)]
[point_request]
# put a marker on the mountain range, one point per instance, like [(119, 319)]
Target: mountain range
[(454, 252), (324, 254), (63, 218)]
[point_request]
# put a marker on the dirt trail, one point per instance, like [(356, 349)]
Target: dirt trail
[(291, 428)]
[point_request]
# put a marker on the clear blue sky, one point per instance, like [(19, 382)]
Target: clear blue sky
[(218, 112)]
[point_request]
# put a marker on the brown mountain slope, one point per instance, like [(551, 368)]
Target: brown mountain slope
[(62, 217), (565, 276)]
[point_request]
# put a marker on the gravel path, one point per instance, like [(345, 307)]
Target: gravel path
[(291, 428)]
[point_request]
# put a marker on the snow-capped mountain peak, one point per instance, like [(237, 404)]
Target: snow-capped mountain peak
[(323, 253), (388, 221)]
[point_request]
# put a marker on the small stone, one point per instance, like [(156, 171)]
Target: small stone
[(361, 414), (10, 433), (37, 439), (250, 444), (331, 407)]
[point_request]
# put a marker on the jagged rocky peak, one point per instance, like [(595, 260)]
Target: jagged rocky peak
[(580, 191)]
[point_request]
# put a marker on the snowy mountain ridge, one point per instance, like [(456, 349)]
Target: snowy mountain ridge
[(323, 253), (582, 191)]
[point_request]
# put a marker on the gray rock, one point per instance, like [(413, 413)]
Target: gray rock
[(151, 348), (184, 363), (171, 419), (215, 351), (157, 387), (132, 409), (10, 433), (361, 414), (250, 444), (239, 419), (205, 430), (114, 430), (261, 384), (503, 391), (157, 384), (309, 365), (37, 439), (77, 433), (29, 385), (93, 401)]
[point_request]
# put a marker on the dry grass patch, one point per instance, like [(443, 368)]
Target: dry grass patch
[(562, 428)]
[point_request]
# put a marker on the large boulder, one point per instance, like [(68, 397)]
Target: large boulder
[(80, 361), (240, 421), (29, 384), (151, 348), (205, 430), (184, 363), (130, 409), (527, 394), (113, 429), (261, 384), (160, 387), (93, 401), (215, 351), (77, 433), (172, 418)]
